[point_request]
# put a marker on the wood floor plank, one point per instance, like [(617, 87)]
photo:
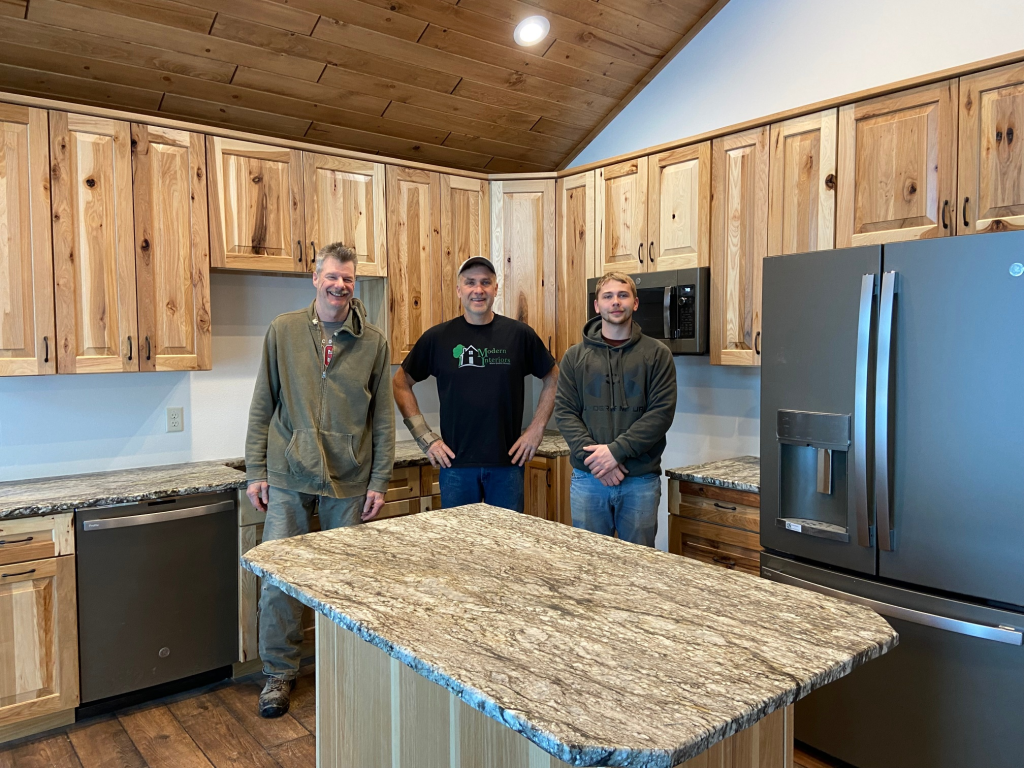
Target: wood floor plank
[(300, 753), (54, 752), (221, 737), (105, 744), (803, 760), (161, 740), (303, 705), (243, 701)]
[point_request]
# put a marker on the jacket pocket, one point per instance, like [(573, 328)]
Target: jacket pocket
[(341, 459), (303, 454)]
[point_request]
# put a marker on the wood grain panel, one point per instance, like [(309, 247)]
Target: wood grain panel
[(739, 243), (36, 538), (172, 249), (739, 516), (248, 595), (991, 161), (161, 740), (93, 244), (592, 61), (344, 202), (679, 208), (802, 192), (414, 256), (396, 147), (897, 167), (575, 256), (166, 12), (465, 232), (28, 344), (620, 204)]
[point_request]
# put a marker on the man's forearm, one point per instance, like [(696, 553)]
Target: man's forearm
[(546, 401), (405, 398)]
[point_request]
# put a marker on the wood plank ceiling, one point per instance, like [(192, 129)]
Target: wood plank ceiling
[(431, 80)]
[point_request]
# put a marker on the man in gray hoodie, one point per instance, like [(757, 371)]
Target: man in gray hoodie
[(616, 400)]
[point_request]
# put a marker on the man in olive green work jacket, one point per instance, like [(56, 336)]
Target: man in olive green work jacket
[(321, 437)]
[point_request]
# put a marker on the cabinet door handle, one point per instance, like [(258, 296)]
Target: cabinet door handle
[(15, 541), (46, 348), (945, 217), (129, 347), (966, 222), (148, 356), (21, 573), (757, 343), (650, 253), (640, 252), (722, 506), (728, 562), (299, 242), (312, 244)]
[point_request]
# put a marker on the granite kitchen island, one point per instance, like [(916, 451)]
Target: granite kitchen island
[(480, 638)]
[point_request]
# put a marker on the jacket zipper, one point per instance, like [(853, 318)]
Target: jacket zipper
[(320, 422)]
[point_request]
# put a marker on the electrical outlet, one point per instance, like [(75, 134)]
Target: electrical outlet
[(176, 419)]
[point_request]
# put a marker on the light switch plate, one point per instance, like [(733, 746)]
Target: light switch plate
[(176, 419)]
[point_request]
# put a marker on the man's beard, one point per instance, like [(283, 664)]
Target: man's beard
[(626, 317)]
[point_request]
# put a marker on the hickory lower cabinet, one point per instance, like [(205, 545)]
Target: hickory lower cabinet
[(546, 489), (715, 525), (39, 625)]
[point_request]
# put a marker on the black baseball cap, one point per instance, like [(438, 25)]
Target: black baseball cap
[(477, 261)]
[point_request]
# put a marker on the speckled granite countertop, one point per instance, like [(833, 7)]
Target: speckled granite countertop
[(408, 454), (741, 474), (44, 496), (598, 651)]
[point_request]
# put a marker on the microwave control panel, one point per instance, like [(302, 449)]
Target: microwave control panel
[(687, 328)]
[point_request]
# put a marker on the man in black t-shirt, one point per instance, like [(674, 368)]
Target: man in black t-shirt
[(480, 360)]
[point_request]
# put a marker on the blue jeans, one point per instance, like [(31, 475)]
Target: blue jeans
[(630, 508), (498, 486)]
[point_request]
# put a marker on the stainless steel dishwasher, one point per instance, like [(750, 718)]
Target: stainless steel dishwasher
[(157, 592)]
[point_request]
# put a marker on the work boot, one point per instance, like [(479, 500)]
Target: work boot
[(275, 697)]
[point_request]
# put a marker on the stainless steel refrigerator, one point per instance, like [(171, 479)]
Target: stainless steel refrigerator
[(892, 474)]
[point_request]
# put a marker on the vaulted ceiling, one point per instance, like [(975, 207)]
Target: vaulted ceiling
[(436, 81)]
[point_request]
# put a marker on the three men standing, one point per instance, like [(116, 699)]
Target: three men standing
[(480, 360), (321, 437), (616, 400)]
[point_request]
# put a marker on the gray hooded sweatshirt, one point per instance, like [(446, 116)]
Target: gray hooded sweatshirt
[(623, 397)]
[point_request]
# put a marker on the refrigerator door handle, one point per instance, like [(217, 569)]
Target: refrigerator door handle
[(883, 406), (860, 426), (1007, 635)]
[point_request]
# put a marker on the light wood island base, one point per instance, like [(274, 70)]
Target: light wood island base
[(372, 711)]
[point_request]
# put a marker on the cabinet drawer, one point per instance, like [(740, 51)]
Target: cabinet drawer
[(398, 508), (247, 513), (715, 493), (36, 538), (430, 483), (720, 533), (404, 484), (716, 512), (683, 541)]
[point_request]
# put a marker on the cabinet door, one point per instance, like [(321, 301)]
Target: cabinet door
[(344, 202), (414, 256), (802, 195), (897, 167), (255, 206), (93, 244), (539, 489), (739, 243), (172, 249), (524, 233), (991, 177), (575, 223), (621, 209), (465, 232), (27, 342), (679, 208), (39, 655)]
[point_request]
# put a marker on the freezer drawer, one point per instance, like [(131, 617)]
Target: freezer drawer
[(948, 696)]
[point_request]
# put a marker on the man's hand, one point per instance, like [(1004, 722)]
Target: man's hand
[(614, 477), (259, 494), (525, 448), (600, 461), (439, 454), (374, 504)]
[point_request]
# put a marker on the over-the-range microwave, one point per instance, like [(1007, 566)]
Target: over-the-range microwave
[(673, 307)]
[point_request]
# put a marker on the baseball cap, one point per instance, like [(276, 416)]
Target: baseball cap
[(477, 261)]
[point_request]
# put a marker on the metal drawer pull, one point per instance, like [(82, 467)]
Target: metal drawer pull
[(105, 523), (727, 562), (722, 506), (1006, 635), (15, 541), (10, 575)]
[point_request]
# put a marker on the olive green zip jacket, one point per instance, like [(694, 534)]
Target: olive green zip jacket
[(330, 433)]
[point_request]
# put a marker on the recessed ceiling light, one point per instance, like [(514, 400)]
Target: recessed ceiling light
[(531, 30)]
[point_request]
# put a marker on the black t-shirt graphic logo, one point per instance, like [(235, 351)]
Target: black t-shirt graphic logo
[(468, 356)]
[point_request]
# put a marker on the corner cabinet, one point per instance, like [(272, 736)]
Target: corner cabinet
[(574, 216), (27, 340), (897, 167), (739, 244), (465, 232), (256, 206)]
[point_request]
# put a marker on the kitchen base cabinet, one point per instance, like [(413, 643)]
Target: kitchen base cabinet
[(715, 525), (546, 489)]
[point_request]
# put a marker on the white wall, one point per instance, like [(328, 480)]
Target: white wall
[(758, 57)]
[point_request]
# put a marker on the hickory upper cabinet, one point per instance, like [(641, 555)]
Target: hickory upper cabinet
[(802, 192), (679, 208), (897, 167), (172, 249), (523, 247), (991, 156), (256, 206), (465, 232), (344, 202), (574, 217), (739, 244), (27, 342), (620, 206), (414, 256), (93, 244)]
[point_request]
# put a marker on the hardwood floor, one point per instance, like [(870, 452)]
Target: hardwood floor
[(212, 727)]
